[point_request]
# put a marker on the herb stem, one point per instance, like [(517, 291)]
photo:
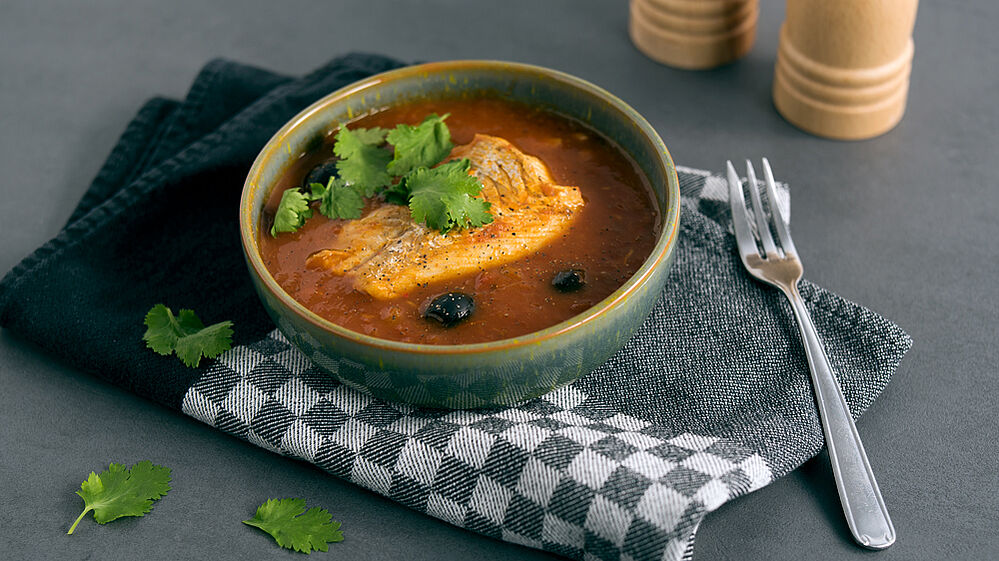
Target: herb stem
[(82, 514)]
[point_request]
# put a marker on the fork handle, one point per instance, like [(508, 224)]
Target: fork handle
[(863, 505)]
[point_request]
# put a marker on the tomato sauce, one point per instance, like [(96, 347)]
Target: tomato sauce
[(614, 233)]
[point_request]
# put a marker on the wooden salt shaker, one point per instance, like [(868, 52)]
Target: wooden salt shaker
[(843, 66), (693, 34)]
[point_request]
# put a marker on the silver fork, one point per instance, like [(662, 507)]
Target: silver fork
[(865, 510)]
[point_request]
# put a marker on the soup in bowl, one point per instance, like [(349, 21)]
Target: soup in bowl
[(461, 234)]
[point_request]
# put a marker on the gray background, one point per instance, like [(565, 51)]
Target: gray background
[(905, 223)]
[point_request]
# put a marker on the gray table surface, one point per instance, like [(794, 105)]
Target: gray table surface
[(906, 224)]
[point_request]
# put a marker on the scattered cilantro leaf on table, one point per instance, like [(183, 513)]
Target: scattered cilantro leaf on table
[(185, 335), (362, 162), (337, 199), (292, 212), (445, 197), (424, 145), (287, 521), (119, 491)]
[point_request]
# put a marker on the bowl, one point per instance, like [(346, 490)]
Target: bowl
[(482, 374)]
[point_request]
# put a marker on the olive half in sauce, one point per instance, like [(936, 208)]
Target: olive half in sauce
[(450, 308), (322, 173), (570, 280)]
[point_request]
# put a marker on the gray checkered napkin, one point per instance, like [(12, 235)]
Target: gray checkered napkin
[(709, 401)]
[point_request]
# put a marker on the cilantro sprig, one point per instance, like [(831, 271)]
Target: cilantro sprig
[(185, 335), (444, 197), (421, 146), (337, 199), (362, 161), (119, 491), (292, 527), (292, 211)]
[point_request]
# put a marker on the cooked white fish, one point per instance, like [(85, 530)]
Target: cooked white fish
[(388, 254)]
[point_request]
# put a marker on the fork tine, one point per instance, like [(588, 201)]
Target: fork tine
[(775, 214), (761, 217), (740, 221)]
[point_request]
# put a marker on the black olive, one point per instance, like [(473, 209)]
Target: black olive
[(450, 308), (321, 173), (570, 280)]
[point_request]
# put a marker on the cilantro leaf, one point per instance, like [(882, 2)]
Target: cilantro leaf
[(397, 194), (284, 520), (119, 491), (465, 211), (292, 212), (424, 145), (445, 197), (373, 136), (337, 199), (185, 335), (362, 162)]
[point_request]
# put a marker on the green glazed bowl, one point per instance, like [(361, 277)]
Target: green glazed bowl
[(482, 374)]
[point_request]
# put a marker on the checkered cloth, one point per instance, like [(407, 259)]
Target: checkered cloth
[(709, 401), (564, 472)]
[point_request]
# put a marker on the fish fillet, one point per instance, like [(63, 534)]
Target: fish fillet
[(388, 254)]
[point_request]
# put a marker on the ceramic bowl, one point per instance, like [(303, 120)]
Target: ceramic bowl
[(482, 374)]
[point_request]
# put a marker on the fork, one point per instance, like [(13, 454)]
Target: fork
[(863, 506)]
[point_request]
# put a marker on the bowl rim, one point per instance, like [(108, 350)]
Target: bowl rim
[(660, 253)]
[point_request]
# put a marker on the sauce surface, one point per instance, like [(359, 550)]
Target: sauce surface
[(613, 234)]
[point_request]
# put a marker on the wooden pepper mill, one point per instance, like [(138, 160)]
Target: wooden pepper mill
[(693, 34), (843, 66)]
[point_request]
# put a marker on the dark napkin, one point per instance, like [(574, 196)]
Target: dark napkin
[(709, 401)]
